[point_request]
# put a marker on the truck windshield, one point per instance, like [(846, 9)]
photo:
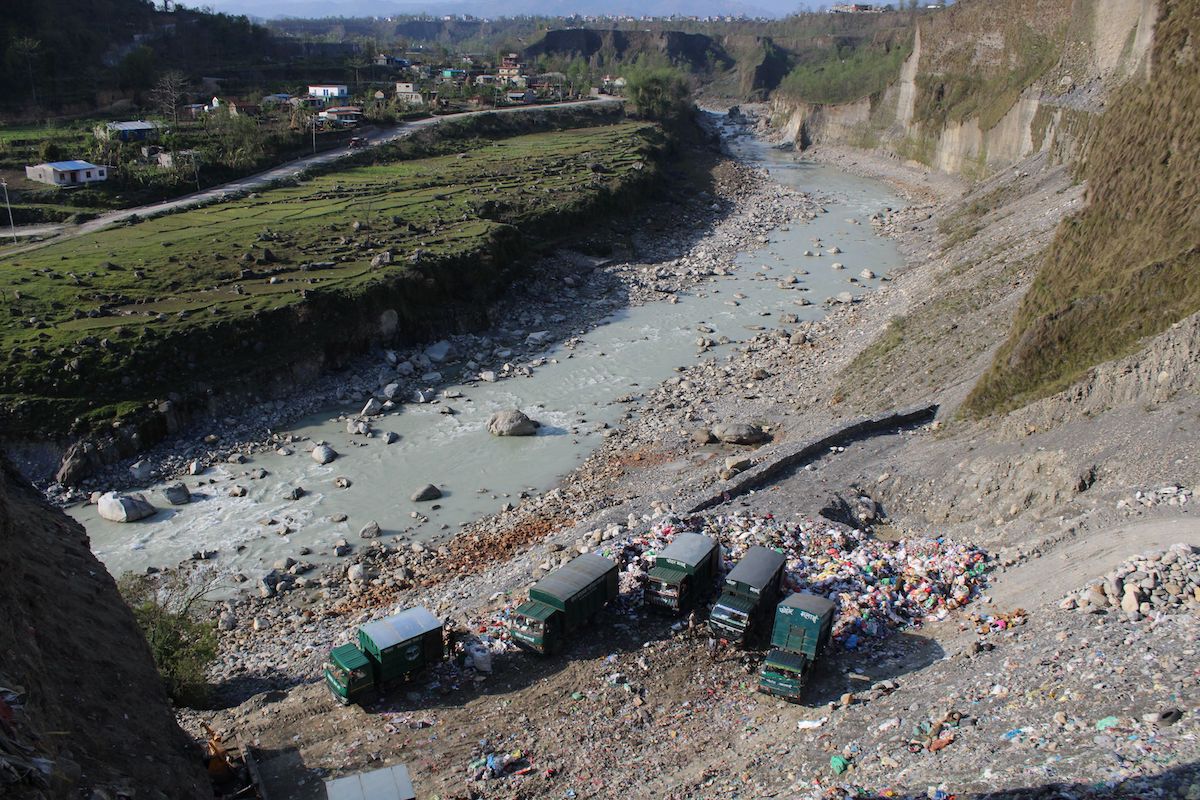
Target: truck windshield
[(338, 674), (731, 614), (664, 589), (533, 627)]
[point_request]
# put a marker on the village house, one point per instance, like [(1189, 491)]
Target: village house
[(133, 131), (522, 96), (328, 92), (67, 173), (407, 94), (511, 71), (342, 116)]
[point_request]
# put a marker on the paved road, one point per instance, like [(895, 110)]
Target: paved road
[(262, 179)]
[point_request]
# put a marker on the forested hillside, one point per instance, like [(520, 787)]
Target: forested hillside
[(76, 54)]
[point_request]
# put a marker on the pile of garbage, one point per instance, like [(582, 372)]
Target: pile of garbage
[(879, 586), (1156, 582), (491, 765)]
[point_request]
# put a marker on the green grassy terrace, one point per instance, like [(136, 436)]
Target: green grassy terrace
[(104, 323)]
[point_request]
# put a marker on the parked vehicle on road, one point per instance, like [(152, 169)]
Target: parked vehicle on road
[(751, 590), (563, 601), (387, 652), (683, 573), (803, 624)]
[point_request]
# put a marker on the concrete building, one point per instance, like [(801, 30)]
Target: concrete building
[(67, 173)]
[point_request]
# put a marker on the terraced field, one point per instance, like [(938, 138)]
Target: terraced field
[(91, 319)]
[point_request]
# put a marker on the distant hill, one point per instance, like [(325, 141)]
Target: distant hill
[(694, 52)]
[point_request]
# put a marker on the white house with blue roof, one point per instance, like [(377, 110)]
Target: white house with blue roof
[(67, 173)]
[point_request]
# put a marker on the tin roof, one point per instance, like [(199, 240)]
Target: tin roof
[(688, 548), (575, 575), (786, 659), (408, 624), (133, 125), (813, 604), (756, 567), (67, 166), (389, 783)]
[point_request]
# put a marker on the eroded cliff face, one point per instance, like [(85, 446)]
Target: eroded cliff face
[(990, 83), (83, 705)]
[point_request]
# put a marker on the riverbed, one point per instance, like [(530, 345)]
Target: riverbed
[(576, 393)]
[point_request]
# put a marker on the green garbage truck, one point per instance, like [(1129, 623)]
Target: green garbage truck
[(751, 590), (563, 601), (386, 652), (682, 574), (803, 623)]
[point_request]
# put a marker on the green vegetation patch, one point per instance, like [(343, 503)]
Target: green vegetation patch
[(1128, 265), (846, 75), (127, 314)]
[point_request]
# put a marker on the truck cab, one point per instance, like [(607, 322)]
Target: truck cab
[(682, 574), (803, 624), (749, 592), (562, 601), (387, 651), (348, 673)]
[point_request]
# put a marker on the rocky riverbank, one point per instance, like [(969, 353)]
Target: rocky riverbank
[(661, 710)]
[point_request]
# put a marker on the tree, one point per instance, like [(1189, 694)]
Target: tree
[(657, 93), (237, 140), (183, 643), (26, 48), (168, 93), (358, 62)]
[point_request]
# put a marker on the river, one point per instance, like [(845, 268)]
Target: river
[(572, 394)]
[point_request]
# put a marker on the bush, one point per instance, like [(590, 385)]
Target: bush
[(846, 76), (182, 642), (658, 93)]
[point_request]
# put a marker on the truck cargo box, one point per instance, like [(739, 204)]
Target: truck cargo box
[(803, 623), (403, 643)]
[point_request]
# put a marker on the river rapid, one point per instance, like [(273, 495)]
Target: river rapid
[(574, 394)]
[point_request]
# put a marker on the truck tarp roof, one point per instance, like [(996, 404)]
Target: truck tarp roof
[(666, 574), (788, 660), (408, 624), (349, 656), (577, 574), (688, 548), (756, 567), (536, 610), (813, 604), (389, 783), (736, 602)]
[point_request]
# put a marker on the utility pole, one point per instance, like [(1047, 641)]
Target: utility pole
[(11, 226)]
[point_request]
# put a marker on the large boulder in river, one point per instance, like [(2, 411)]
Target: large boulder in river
[(739, 433), (123, 507), (426, 493), (177, 494), (323, 454), (511, 422)]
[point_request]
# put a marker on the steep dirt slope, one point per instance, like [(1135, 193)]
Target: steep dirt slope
[(83, 708), (989, 83), (1124, 267)]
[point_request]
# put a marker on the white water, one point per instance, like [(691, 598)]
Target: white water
[(634, 349)]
